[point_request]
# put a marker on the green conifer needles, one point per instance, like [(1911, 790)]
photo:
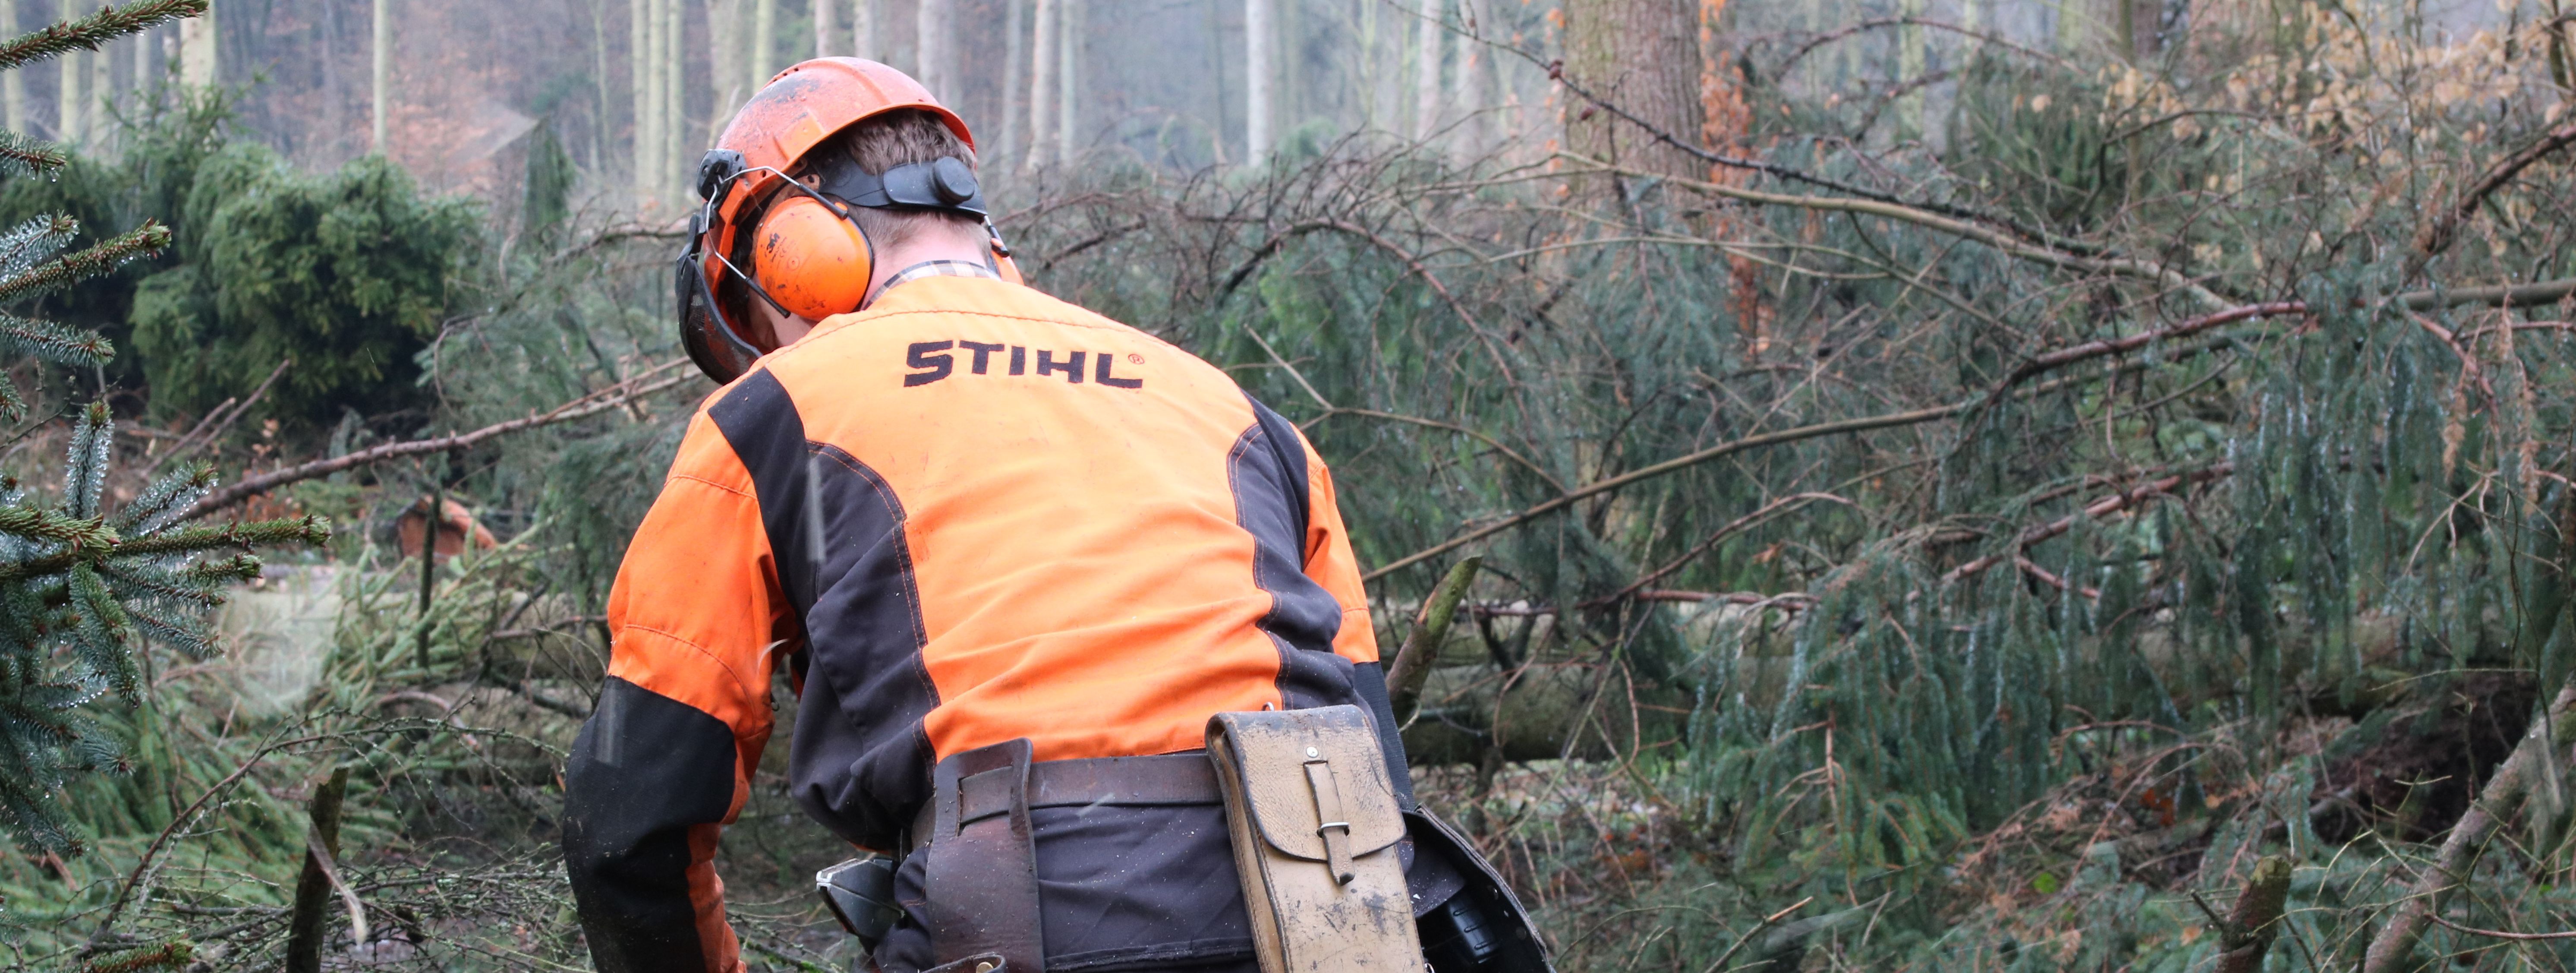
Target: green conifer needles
[(87, 33), (79, 584)]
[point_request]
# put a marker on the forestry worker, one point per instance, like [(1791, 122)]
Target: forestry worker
[(965, 519)]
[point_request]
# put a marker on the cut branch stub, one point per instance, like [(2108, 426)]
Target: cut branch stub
[(1421, 649), (2256, 919)]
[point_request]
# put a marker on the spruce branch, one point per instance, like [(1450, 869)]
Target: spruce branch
[(87, 33), (24, 156), (307, 529), (72, 268), (53, 342), (45, 525), (85, 468)]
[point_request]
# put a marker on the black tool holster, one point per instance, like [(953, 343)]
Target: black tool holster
[(981, 872)]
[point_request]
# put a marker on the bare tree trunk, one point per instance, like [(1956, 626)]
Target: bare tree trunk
[(197, 38), (1369, 68), (675, 100), (1015, 22), (1069, 18), (1426, 71), (1473, 77), (384, 59), (764, 44), (732, 39), (1258, 45), (13, 88), (102, 98), (1042, 61), (67, 99), (644, 48), (930, 37), (143, 61), (863, 30), (825, 43), (1642, 55)]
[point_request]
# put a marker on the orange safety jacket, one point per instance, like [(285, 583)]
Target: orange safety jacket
[(968, 514)]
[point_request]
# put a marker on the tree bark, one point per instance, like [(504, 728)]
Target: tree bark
[(197, 48), (1257, 71), (825, 27), (382, 50), (639, 82), (306, 928), (1042, 39), (764, 45), (1426, 71), (863, 30), (1642, 55), (1472, 80), (2256, 919), (674, 126), (102, 97), (930, 39), (732, 38), (67, 99), (1068, 87), (1015, 24), (13, 88)]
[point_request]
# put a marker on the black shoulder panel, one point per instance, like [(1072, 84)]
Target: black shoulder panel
[(644, 770)]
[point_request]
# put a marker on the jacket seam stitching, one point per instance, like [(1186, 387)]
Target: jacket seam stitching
[(702, 650)]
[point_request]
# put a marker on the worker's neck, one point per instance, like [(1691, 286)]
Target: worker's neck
[(946, 241)]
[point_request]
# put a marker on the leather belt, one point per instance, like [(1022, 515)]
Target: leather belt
[(1164, 780)]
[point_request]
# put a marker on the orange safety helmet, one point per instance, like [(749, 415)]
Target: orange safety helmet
[(808, 257)]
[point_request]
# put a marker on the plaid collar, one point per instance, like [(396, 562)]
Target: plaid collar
[(937, 268)]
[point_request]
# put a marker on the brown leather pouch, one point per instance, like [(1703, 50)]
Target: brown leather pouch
[(1315, 829)]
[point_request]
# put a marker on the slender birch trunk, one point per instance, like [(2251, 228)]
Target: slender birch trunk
[(13, 88), (1426, 77), (930, 46), (1069, 17), (68, 100), (102, 98), (383, 77), (1257, 72), (675, 99), (197, 54), (824, 28), (643, 47), (143, 60), (764, 44), (1470, 69), (1014, 70), (732, 37), (1042, 64)]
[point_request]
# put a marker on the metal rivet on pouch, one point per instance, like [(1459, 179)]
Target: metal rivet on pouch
[(1310, 751)]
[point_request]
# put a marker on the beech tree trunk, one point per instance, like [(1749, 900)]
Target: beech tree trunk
[(1471, 79), (197, 48), (382, 50), (1426, 71), (1015, 23), (764, 45), (863, 30), (13, 88), (930, 42), (1042, 39), (1258, 43), (825, 27), (641, 43), (1642, 55), (1069, 21), (67, 99), (733, 28)]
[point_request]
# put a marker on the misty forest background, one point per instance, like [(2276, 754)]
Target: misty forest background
[(1951, 484)]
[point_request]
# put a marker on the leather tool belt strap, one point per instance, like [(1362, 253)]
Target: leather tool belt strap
[(980, 873)]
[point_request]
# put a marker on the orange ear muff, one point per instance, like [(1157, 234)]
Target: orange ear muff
[(810, 260)]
